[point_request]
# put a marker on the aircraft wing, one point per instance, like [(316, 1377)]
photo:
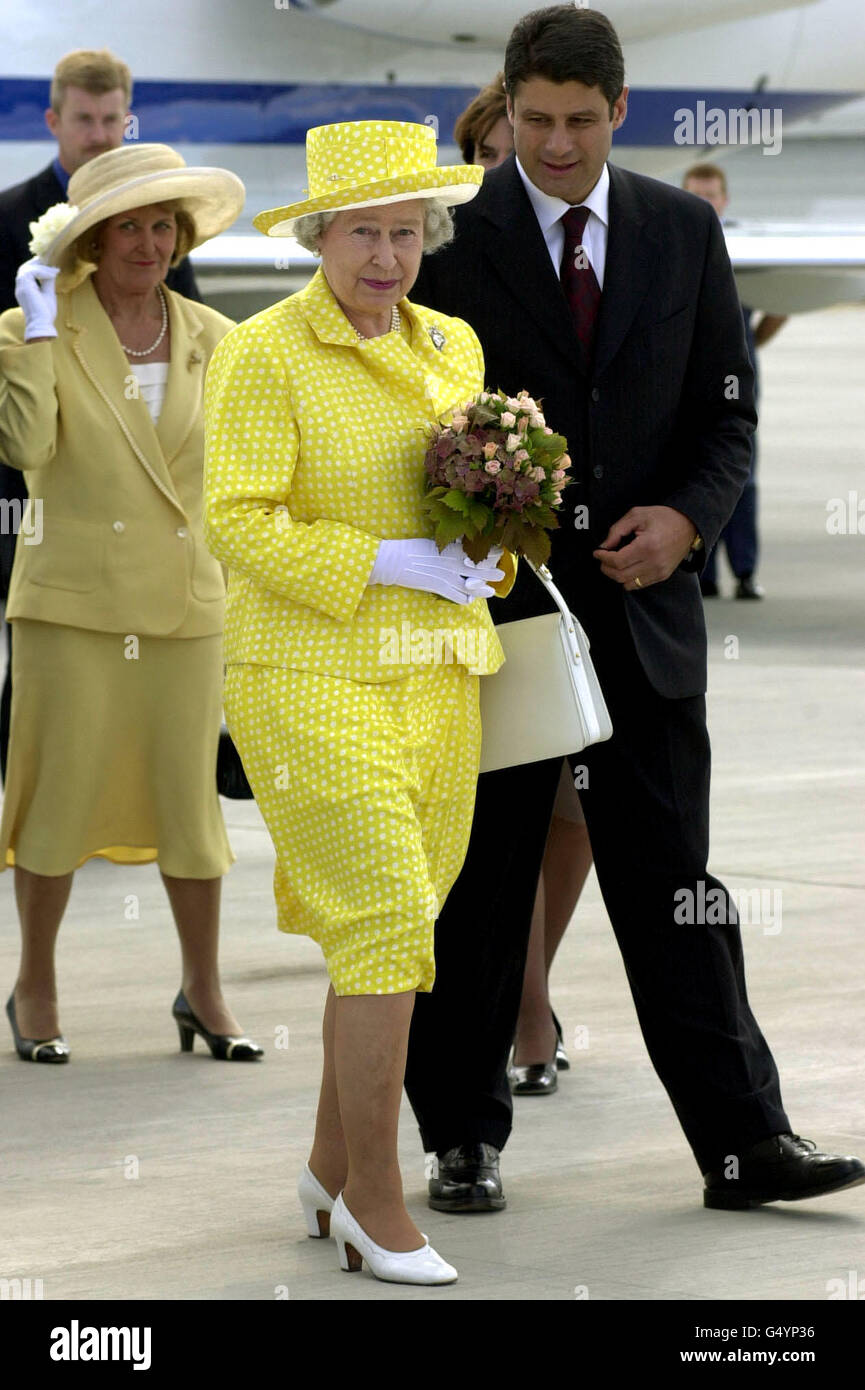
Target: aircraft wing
[(781, 269), (793, 269)]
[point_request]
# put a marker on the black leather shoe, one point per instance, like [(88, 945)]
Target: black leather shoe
[(32, 1049), (562, 1060), (223, 1046), (784, 1168), (537, 1079), (468, 1180), (748, 588), (708, 588)]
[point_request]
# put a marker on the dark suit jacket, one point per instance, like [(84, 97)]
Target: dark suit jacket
[(19, 206), (664, 417)]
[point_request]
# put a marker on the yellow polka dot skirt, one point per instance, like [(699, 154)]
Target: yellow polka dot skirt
[(367, 790)]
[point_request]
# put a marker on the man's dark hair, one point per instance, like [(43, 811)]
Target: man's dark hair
[(566, 44)]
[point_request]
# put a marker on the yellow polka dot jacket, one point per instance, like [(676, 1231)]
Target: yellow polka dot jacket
[(314, 453)]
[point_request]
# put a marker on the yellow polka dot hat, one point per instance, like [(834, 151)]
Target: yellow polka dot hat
[(353, 164)]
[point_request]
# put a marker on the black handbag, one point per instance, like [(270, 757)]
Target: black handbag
[(231, 780)]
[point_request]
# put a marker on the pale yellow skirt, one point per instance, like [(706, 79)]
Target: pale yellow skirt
[(112, 752)]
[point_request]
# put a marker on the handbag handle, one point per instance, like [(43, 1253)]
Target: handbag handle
[(570, 633), (568, 629)]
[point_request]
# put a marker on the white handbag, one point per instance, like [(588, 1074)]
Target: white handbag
[(546, 700)]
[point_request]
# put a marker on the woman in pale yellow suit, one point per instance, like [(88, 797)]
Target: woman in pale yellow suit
[(117, 604), (353, 647)]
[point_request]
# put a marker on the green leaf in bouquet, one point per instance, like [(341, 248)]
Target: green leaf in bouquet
[(435, 507), (456, 500), (479, 515), (535, 438), (435, 514), (535, 544), (441, 514), (512, 535), (482, 415), (555, 445), (547, 446), (478, 547), (450, 528), (541, 515)]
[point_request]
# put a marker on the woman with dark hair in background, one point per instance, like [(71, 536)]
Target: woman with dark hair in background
[(483, 131)]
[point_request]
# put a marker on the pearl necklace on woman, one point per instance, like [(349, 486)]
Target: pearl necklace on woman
[(395, 326), (145, 352)]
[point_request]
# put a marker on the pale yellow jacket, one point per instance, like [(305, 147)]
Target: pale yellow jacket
[(314, 453), (122, 548)]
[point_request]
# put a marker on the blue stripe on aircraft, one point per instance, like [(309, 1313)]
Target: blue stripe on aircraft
[(237, 113)]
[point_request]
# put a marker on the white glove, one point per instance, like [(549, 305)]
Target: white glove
[(418, 564), (35, 292)]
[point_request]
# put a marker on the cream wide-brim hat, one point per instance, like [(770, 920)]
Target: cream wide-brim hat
[(358, 164), (137, 176)]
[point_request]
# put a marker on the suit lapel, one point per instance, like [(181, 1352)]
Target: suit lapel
[(633, 248), (515, 244), (104, 363), (185, 378)]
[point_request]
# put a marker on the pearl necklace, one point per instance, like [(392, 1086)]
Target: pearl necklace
[(395, 326), (145, 352)]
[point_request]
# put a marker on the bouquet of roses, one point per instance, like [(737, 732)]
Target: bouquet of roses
[(495, 476)]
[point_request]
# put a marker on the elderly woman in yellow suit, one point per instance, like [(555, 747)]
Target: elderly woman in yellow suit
[(117, 604), (353, 648)]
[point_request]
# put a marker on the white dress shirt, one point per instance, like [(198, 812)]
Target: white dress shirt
[(550, 211)]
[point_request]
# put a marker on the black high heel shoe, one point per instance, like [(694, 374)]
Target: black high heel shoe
[(223, 1046), (32, 1049), (562, 1059), (540, 1078)]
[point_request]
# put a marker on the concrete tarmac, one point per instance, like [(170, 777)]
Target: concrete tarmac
[(136, 1172)]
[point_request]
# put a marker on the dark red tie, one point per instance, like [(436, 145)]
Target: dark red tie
[(579, 282)]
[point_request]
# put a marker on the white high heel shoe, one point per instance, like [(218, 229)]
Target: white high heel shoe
[(317, 1203), (421, 1266)]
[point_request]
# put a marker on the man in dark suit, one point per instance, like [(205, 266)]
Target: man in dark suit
[(623, 319), (91, 92)]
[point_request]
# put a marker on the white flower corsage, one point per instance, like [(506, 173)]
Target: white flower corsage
[(49, 226)]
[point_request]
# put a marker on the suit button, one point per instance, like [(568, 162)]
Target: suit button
[(182, 532), (596, 395), (598, 471), (118, 526)]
